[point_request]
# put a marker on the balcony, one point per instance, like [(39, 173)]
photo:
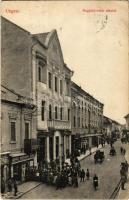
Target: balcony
[(67, 99), (59, 125)]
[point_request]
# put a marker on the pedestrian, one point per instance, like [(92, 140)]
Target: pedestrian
[(121, 150), (2, 185), (90, 150), (126, 166), (9, 185), (15, 186), (82, 175), (75, 181), (124, 151), (123, 181), (95, 182), (87, 174), (58, 182)]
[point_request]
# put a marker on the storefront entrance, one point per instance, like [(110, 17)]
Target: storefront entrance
[(17, 171), (41, 153), (51, 147)]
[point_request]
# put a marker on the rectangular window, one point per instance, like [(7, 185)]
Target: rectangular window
[(61, 86), (42, 110), (82, 122), (78, 121), (74, 121), (56, 115), (50, 112), (56, 88), (13, 131), (68, 114), (50, 80), (27, 130), (39, 73), (61, 113)]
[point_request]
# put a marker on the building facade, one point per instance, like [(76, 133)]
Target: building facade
[(52, 94), (17, 125), (37, 71), (111, 128), (87, 118)]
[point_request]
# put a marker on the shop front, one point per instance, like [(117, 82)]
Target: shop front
[(19, 164), (4, 160)]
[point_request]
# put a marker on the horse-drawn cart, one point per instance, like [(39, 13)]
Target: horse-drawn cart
[(99, 156)]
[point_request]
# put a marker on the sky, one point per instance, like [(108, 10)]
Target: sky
[(94, 41)]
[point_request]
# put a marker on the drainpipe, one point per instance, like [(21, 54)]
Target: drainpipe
[(21, 129)]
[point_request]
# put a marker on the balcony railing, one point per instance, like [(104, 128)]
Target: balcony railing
[(59, 124)]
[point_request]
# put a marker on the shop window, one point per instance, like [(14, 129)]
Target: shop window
[(13, 131), (42, 110), (49, 80), (56, 114), (50, 112), (27, 130)]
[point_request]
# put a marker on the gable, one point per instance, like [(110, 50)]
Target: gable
[(55, 56)]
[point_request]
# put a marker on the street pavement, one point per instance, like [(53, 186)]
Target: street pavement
[(108, 173)]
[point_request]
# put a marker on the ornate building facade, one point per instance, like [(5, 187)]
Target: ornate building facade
[(87, 118), (52, 95)]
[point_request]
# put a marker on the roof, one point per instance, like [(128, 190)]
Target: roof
[(44, 38), (10, 96), (86, 93), (3, 18)]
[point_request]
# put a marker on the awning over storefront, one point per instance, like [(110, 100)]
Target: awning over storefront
[(20, 157), (42, 134)]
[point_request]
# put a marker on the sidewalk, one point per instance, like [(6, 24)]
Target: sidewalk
[(27, 186), (124, 194), (81, 157), (22, 189)]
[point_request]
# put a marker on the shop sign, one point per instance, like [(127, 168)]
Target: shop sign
[(19, 158)]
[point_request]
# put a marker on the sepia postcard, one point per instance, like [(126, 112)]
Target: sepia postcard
[(64, 99)]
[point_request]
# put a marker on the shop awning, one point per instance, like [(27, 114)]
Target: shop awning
[(20, 157)]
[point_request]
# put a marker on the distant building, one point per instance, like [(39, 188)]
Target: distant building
[(87, 118), (110, 126)]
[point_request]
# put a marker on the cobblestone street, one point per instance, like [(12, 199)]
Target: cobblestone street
[(108, 173)]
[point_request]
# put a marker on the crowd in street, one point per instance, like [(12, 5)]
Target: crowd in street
[(69, 174)]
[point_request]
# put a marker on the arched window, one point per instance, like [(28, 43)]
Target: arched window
[(50, 112), (56, 114)]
